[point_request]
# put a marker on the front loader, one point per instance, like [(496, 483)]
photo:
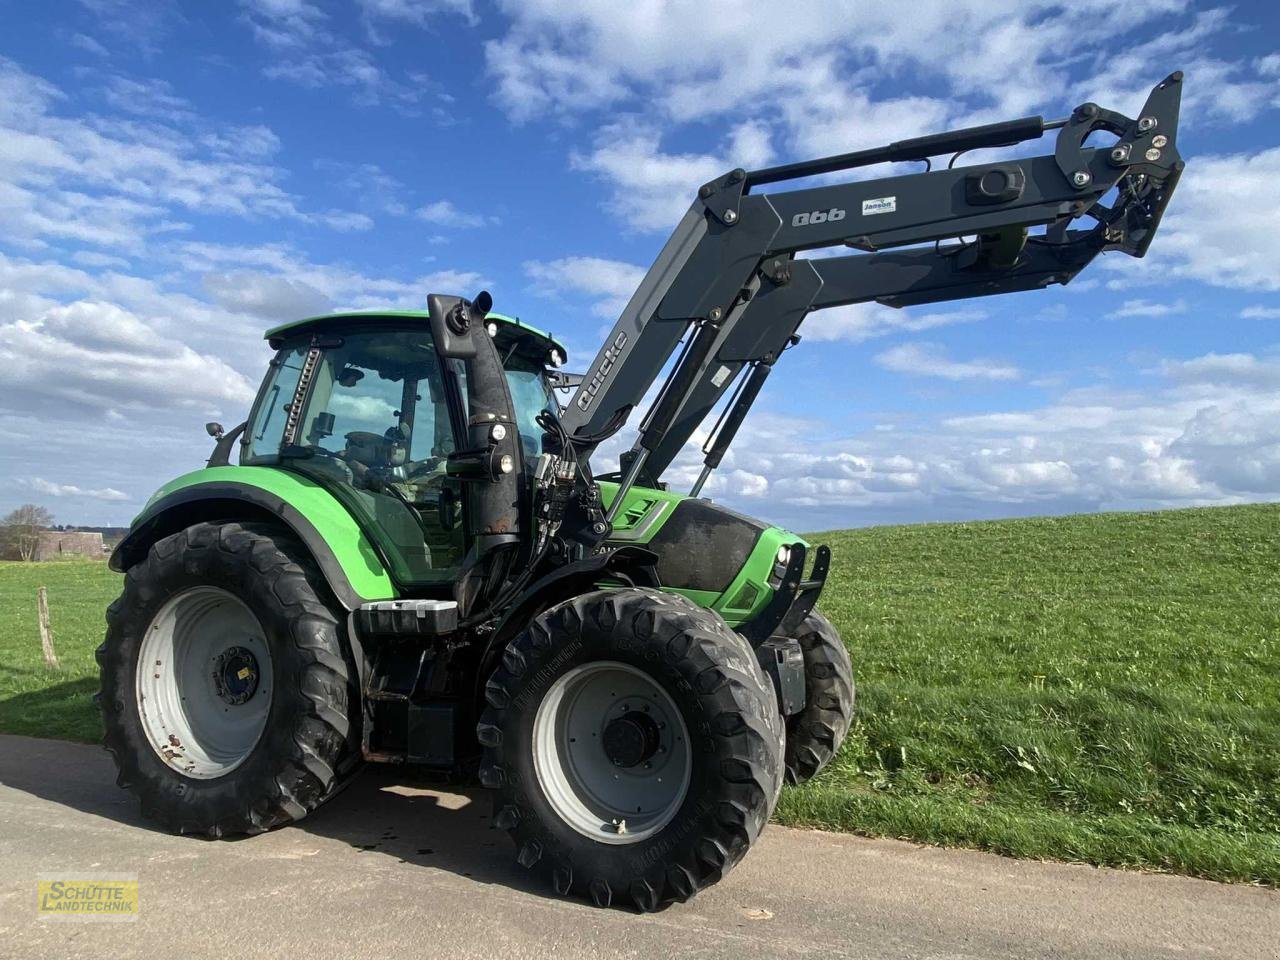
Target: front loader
[(413, 560)]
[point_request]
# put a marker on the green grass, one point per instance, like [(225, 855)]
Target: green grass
[(1099, 688), (35, 700)]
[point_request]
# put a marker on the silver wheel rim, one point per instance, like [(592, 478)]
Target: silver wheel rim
[(615, 705), (204, 682)]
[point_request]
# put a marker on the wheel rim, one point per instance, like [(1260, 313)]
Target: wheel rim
[(611, 752), (204, 682)]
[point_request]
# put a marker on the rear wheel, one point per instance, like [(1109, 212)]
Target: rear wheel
[(816, 732), (224, 685), (635, 747)]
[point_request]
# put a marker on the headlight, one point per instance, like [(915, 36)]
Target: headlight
[(499, 432), (784, 554), (557, 358), (506, 464)]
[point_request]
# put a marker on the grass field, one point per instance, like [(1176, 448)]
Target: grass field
[(1098, 688)]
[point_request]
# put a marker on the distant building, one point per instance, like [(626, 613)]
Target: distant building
[(60, 544)]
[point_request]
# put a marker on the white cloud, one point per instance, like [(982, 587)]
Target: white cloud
[(367, 185), (109, 494), (115, 184), (444, 213), (88, 356), (929, 360), (302, 48), (1205, 431), (650, 189), (149, 98), (343, 287), (283, 24), (1220, 227), (1259, 312), (272, 297), (1148, 308), (828, 59), (862, 321), (609, 283), (89, 45), (1227, 369), (417, 13)]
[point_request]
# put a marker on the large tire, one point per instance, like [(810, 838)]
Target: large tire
[(295, 750), (698, 668), (816, 732)]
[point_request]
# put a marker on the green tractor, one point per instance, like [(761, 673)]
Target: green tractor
[(412, 560)]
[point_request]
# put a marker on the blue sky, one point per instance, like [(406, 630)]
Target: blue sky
[(176, 177)]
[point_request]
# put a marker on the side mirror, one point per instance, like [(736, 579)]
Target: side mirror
[(213, 429), (453, 321)]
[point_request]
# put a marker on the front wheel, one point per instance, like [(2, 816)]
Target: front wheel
[(225, 688), (634, 744), (815, 733)]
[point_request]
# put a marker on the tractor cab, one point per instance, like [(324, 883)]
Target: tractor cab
[(365, 406)]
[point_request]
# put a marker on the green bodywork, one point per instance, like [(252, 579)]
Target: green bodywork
[(643, 515), (352, 550)]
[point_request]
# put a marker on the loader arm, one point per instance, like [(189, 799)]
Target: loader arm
[(729, 286)]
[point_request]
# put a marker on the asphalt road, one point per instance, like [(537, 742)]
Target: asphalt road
[(394, 868)]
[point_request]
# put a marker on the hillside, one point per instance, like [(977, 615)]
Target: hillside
[(1102, 688)]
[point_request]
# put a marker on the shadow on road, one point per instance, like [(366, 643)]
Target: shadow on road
[(388, 811), (400, 813)]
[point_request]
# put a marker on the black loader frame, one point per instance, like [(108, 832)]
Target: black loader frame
[(729, 284)]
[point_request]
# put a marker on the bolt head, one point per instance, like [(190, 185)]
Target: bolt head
[(1159, 140), (1081, 178), (1120, 154), (1153, 154), (730, 216), (1146, 123)]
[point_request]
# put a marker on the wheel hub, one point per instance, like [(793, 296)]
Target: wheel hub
[(235, 675), (204, 682), (631, 739), (611, 752)]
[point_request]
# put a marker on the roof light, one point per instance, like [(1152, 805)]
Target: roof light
[(499, 432), (506, 464), (557, 358)]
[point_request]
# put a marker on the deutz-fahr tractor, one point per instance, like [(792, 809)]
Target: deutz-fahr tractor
[(413, 559)]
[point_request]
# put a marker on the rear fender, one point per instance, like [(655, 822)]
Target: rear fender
[(346, 557)]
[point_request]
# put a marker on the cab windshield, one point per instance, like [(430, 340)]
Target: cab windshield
[(371, 424)]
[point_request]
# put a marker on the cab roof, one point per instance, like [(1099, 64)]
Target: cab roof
[(354, 318)]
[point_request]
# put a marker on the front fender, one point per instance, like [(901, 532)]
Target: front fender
[(346, 557)]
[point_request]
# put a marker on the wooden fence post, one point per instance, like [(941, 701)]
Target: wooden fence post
[(46, 633)]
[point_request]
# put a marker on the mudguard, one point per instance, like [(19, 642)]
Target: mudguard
[(349, 561)]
